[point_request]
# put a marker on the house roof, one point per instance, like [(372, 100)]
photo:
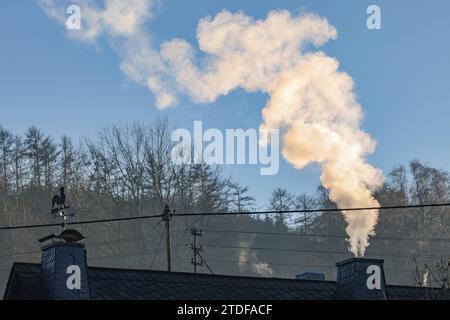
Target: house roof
[(128, 284)]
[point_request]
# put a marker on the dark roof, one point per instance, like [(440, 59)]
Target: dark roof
[(112, 284), (24, 282), (414, 293), (135, 284)]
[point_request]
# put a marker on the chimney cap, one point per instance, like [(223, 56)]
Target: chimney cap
[(69, 236), (367, 260)]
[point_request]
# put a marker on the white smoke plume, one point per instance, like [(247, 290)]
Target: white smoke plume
[(114, 18), (247, 257), (309, 98)]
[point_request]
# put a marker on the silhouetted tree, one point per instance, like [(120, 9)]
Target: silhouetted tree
[(34, 140), (281, 200)]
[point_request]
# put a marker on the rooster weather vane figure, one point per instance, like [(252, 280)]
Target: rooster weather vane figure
[(59, 204), (59, 200), (58, 210)]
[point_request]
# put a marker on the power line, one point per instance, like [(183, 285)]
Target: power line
[(324, 235), (146, 252), (273, 263), (97, 245), (157, 250), (18, 254), (93, 245), (206, 264), (323, 251), (31, 226), (141, 237), (270, 263), (431, 205)]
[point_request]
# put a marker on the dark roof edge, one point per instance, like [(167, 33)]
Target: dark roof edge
[(205, 275), (184, 273), (12, 274), (399, 286)]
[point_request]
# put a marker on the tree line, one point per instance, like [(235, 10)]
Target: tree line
[(127, 171)]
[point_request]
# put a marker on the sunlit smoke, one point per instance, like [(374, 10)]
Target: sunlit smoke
[(249, 260), (309, 98)]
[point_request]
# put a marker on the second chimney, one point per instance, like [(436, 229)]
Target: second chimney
[(361, 279)]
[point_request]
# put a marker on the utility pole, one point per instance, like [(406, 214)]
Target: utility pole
[(195, 248), (166, 218)]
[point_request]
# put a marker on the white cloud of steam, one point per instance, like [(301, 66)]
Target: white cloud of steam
[(309, 98), (316, 106), (114, 18), (242, 52), (248, 258)]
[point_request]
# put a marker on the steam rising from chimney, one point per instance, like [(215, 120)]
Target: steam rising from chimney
[(309, 98), (248, 258), (316, 106)]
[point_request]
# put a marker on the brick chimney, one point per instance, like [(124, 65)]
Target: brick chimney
[(361, 279), (64, 271)]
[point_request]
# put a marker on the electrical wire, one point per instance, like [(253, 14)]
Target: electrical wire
[(325, 235), (79, 222), (431, 205), (206, 264), (96, 244), (270, 263), (19, 254), (133, 254), (323, 251), (156, 253), (323, 210)]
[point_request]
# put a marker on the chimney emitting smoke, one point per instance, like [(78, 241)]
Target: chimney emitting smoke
[(361, 279)]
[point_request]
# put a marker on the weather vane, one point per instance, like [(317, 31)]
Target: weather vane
[(59, 207), (59, 210)]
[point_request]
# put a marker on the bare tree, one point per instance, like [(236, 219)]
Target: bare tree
[(159, 167), (127, 170), (69, 163), (240, 200), (49, 156), (305, 202), (443, 276), (429, 185), (6, 155), (33, 146), (281, 200), (19, 166)]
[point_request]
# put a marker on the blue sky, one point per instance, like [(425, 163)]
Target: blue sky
[(401, 73)]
